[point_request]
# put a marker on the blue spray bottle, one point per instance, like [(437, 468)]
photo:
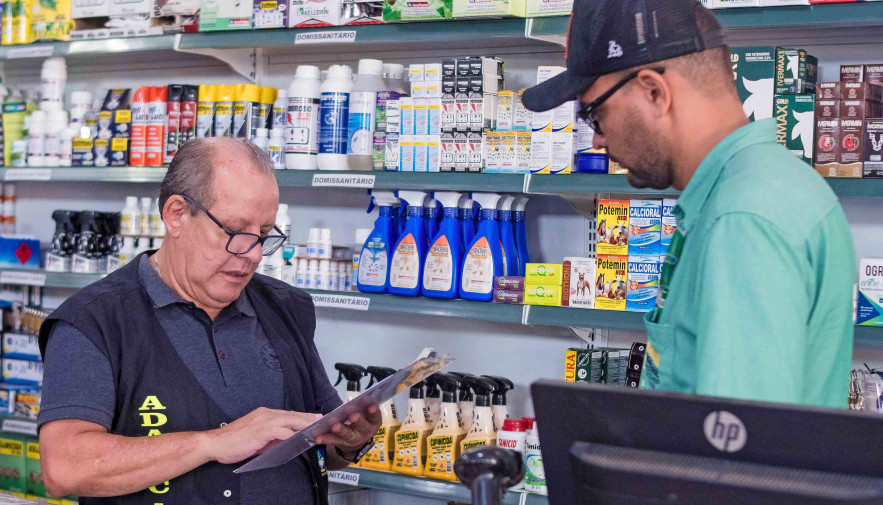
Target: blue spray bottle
[(467, 218), (483, 259), (518, 223), (406, 264), (377, 251), (507, 236), (441, 272), (431, 216)]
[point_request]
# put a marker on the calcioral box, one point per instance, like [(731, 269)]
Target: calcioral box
[(643, 283), (613, 227), (669, 224), (645, 227)]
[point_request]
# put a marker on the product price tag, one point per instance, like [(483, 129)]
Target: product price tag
[(35, 51), (335, 37), (22, 278), (341, 302), (30, 428), (27, 174), (343, 181), (347, 478)]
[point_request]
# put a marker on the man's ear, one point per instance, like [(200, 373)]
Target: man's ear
[(653, 86), (175, 213)]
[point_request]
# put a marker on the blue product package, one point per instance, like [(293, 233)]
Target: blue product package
[(669, 224), (21, 346), (645, 224), (17, 371), (18, 252), (643, 283), (333, 123)]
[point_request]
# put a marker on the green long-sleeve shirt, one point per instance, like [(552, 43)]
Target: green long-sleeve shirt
[(760, 303)]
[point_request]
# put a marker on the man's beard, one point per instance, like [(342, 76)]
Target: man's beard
[(648, 162)]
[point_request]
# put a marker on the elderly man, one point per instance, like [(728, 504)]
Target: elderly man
[(163, 376)]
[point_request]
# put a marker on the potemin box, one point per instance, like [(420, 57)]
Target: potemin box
[(613, 227), (611, 278)]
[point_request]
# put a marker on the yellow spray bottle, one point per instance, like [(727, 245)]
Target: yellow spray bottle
[(381, 455), (353, 374), (483, 431), (433, 399), (443, 446), (465, 401), (410, 446), (498, 400)]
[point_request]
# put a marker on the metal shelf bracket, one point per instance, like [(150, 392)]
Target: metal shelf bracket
[(243, 61), (559, 39)]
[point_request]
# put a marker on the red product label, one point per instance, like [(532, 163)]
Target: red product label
[(156, 123), (173, 130), (188, 121), (138, 142)]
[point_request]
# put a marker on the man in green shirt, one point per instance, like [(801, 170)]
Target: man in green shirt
[(756, 290)]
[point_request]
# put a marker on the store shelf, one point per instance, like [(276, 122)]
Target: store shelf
[(89, 47), (18, 425), (43, 278), (86, 174), (433, 489), (508, 183)]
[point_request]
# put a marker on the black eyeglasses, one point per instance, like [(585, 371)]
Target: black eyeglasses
[(587, 112), (242, 242)]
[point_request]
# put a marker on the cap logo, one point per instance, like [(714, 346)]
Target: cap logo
[(614, 50)]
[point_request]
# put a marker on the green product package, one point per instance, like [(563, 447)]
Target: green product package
[(795, 124), (34, 472), (221, 15), (13, 474), (754, 69), (589, 365), (469, 8), (425, 10), (796, 72)]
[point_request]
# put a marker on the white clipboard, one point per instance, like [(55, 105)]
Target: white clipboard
[(383, 391)]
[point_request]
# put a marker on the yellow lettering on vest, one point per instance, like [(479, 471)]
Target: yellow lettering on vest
[(154, 432), (157, 490), (153, 419), (152, 403)]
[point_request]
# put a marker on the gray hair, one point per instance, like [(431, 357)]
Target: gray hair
[(192, 172)]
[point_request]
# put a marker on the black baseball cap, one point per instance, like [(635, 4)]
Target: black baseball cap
[(607, 36)]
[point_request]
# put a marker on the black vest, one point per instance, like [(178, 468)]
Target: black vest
[(156, 393)]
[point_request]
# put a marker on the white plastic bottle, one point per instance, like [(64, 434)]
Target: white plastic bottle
[(534, 474), (361, 237), (363, 104), (66, 152), (53, 79), (262, 139), (313, 243), (271, 265), (394, 76), (280, 110), (37, 139), (334, 112), (301, 279), (276, 148), (283, 221), (323, 279), (81, 105), (302, 122), (325, 246), (128, 251), (513, 436), (130, 218), (313, 274), (56, 124), (146, 207), (157, 226)]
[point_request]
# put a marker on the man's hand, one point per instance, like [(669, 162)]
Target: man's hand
[(255, 433), (356, 432)]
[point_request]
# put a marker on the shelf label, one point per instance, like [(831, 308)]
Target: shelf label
[(27, 174), (30, 428), (22, 278), (340, 477), (335, 37), (341, 302), (343, 181), (35, 51)]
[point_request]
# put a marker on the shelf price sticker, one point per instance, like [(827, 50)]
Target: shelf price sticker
[(331, 37), (25, 428), (22, 278), (341, 301), (346, 478), (35, 51), (343, 181), (27, 174)]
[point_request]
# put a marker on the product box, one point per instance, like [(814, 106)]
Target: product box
[(51, 20), (523, 141), (852, 73), (421, 163), (119, 152), (583, 365), (13, 464), (781, 3), (101, 152), (510, 297), (796, 71), (872, 166), (509, 283), (522, 118), (378, 151), (508, 152), (725, 4), (851, 152), (433, 153), (19, 252), (828, 109), (613, 227), (461, 152), (611, 276), (861, 91), (563, 153), (17, 371), (120, 8), (828, 91), (216, 15), (491, 153), (7, 400), (541, 153), (795, 124), (417, 11), (754, 69), (504, 110), (870, 292), (391, 154), (270, 14), (310, 13), (615, 366), (27, 404), (873, 74), (406, 110), (421, 116), (542, 294), (643, 283), (90, 8), (447, 152), (20, 346), (475, 145), (578, 283), (860, 109), (827, 148), (483, 8), (669, 225), (406, 153), (645, 227), (540, 8), (33, 470), (550, 274)]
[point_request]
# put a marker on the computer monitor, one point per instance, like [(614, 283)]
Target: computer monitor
[(612, 445)]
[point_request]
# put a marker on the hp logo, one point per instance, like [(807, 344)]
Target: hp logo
[(725, 431)]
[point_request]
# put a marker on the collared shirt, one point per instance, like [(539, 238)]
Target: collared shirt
[(229, 356), (760, 302)]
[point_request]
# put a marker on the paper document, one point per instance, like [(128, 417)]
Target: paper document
[(383, 391)]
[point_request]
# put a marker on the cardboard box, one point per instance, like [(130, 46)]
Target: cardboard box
[(796, 71), (309, 13), (270, 14), (217, 15), (583, 365), (20, 346), (645, 227), (827, 109), (27, 403), (90, 8), (611, 278), (669, 225), (828, 91), (491, 153), (827, 147), (484, 8), (754, 69), (578, 283), (433, 153), (613, 227), (852, 73), (509, 283), (795, 124), (523, 142), (504, 110), (869, 311), (130, 7), (17, 371), (362, 12), (509, 297), (563, 152), (542, 294), (550, 274), (540, 8), (51, 20), (860, 109), (873, 74), (33, 470), (13, 464), (417, 11), (851, 152), (861, 91), (872, 161), (643, 283), (541, 153), (508, 152)]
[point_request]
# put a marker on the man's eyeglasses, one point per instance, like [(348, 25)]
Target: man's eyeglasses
[(242, 242), (587, 112)]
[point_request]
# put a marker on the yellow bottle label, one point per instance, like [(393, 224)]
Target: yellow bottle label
[(441, 454), (409, 452), (380, 456), (471, 444)]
